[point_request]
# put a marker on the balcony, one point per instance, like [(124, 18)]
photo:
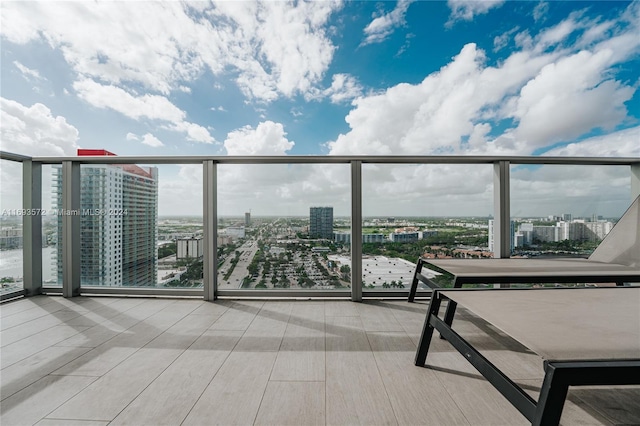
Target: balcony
[(213, 354), (353, 183), (150, 361)]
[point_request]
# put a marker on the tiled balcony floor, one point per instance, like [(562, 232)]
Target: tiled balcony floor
[(137, 361)]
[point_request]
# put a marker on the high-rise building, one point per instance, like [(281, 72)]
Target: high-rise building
[(189, 248), (118, 221), (247, 219), (321, 222)]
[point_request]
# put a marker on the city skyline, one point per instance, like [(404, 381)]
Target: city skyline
[(331, 78)]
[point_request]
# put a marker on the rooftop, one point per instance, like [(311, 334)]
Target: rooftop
[(150, 361)]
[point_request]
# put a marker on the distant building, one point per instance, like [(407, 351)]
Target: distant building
[(373, 238), (10, 239), (119, 223), (524, 235), (247, 219), (403, 237), (342, 237), (546, 233), (321, 222), (345, 237), (189, 248)]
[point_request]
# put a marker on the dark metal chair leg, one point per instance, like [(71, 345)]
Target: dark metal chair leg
[(427, 329), (414, 283), (451, 308), (552, 396)]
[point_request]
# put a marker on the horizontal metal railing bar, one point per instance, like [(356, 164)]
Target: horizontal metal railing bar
[(331, 159), (14, 294), (13, 157), (132, 291), (316, 293)]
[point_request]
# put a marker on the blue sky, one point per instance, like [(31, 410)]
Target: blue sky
[(328, 78)]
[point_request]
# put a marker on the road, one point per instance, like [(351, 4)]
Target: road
[(247, 250)]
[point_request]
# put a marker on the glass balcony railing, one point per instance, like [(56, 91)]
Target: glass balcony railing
[(11, 235), (564, 210), (291, 226), (414, 210), (277, 227)]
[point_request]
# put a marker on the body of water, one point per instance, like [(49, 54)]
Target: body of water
[(11, 264)]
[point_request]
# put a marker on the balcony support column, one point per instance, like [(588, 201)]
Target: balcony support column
[(501, 210), (71, 229), (210, 215), (32, 227), (356, 231), (635, 181)]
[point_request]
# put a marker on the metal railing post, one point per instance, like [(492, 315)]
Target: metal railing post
[(501, 210), (209, 216), (70, 228), (356, 231), (32, 226)]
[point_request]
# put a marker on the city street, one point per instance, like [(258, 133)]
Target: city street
[(247, 250)]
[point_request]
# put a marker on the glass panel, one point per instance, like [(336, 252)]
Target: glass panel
[(130, 218), (433, 211), (11, 273), (180, 227), (559, 210), (276, 227)]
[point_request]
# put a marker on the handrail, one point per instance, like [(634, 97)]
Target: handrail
[(32, 198), (331, 159), (10, 156)]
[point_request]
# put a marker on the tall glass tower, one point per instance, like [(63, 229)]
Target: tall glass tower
[(119, 223), (321, 222)]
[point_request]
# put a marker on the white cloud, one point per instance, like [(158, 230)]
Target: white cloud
[(195, 132), (184, 183), (274, 48), (152, 107), (152, 141), (277, 189), (623, 143), (579, 190), (282, 189), (278, 48), (132, 137), (35, 131), (28, 73), (540, 11), (547, 92), (466, 10), (268, 138), (383, 26), (433, 117), (568, 98), (344, 88), (501, 41)]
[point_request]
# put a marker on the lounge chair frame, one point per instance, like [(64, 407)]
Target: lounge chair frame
[(559, 374)]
